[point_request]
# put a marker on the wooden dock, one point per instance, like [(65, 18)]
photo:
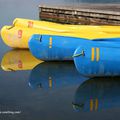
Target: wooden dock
[(84, 14)]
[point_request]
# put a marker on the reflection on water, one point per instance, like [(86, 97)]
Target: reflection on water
[(18, 60), (53, 88), (98, 94), (54, 74)]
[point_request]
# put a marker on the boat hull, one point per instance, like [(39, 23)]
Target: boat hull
[(50, 47), (98, 60), (18, 35)]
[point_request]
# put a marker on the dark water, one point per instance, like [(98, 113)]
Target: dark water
[(49, 91)]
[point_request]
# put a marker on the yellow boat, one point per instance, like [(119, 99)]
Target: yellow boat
[(20, 22), (51, 26), (18, 35), (15, 60)]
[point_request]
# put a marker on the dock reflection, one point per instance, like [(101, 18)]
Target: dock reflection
[(98, 94), (54, 74), (15, 60)]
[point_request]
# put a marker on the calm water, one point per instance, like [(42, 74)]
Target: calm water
[(49, 91)]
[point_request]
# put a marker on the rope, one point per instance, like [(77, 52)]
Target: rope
[(13, 25), (81, 54)]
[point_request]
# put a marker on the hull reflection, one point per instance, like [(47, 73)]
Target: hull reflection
[(15, 60), (98, 94), (54, 74)]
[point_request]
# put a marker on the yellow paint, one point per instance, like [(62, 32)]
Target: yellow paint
[(91, 104), (50, 42), (10, 36), (92, 54), (96, 104), (97, 54), (19, 60), (50, 82)]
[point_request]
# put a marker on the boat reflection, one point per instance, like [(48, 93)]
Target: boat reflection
[(54, 74), (18, 60), (98, 94)]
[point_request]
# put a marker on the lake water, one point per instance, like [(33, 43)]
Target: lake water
[(49, 91)]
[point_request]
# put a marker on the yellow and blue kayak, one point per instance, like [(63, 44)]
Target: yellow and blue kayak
[(49, 47), (97, 60), (97, 94), (50, 75), (18, 35), (15, 60)]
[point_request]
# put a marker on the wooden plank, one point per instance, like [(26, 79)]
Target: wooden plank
[(79, 16)]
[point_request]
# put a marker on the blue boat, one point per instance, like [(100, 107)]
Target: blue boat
[(97, 61), (97, 94), (50, 75), (48, 47), (51, 47)]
